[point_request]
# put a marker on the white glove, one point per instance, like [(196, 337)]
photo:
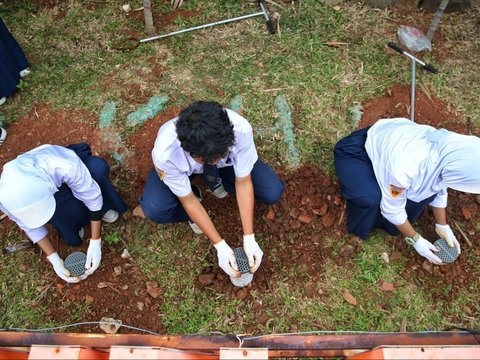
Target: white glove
[(60, 270), (253, 251), (94, 255), (226, 259), (446, 233), (427, 249)]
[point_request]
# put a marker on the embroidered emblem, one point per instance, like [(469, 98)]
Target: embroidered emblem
[(396, 191), (161, 173)]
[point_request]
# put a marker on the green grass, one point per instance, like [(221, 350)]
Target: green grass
[(74, 66)]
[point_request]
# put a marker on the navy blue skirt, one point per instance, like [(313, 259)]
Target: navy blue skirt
[(12, 61), (361, 191)]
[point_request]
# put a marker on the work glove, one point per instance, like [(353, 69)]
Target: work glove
[(94, 255), (226, 259), (446, 233), (253, 251), (424, 248), (60, 270), (176, 3)]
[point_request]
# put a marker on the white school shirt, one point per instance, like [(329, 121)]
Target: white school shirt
[(53, 166), (406, 166), (175, 165)]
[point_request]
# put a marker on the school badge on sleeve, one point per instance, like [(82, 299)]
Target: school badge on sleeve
[(396, 191), (161, 173)]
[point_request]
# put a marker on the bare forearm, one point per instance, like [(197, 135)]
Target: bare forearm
[(245, 200), (96, 229), (46, 246), (406, 229), (199, 216), (440, 215)]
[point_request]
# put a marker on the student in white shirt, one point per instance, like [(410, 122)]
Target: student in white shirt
[(218, 143), (67, 188), (391, 171)]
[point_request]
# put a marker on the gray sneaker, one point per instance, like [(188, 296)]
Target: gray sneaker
[(220, 192), (110, 216), (195, 228)]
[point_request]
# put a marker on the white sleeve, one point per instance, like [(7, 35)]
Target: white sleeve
[(35, 235), (440, 200), (75, 174), (394, 199), (245, 156)]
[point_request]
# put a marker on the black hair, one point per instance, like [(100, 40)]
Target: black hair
[(205, 131)]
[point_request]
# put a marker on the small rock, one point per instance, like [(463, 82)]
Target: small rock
[(320, 291), (305, 219), (110, 325), (59, 286), (385, 257), (270, 214), (127, 8), (148, 301), (125, 254), (241, 294), (125, 287), (117, 270), (206, 279), (127, 266), (140, 305), (89, 299), (155, 292)]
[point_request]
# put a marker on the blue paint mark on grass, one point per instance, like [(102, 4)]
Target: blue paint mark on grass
[(236, 103), (148, 111), (285, 123), (107, 114)]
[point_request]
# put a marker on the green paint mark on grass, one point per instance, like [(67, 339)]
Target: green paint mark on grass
[(236, 103), (148, 111), (107, 114), (356, 112), (285, 123)]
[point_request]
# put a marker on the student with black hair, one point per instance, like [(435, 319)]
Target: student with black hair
[(218, 143)]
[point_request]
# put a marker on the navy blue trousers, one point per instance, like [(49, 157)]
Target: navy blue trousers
[(361, 191), (12, 61), (161, 205), (71, 214)]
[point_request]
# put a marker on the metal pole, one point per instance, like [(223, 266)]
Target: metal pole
[(260, 13), (415, 61), (412, 96)]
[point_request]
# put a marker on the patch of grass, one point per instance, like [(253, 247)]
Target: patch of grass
[(21, 287)]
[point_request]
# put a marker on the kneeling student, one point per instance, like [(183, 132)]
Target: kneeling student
[(66, 187)]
